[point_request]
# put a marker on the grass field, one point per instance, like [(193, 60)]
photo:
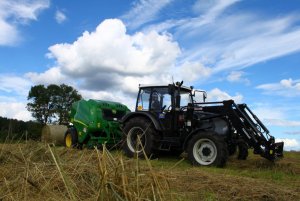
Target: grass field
[(35, 171)]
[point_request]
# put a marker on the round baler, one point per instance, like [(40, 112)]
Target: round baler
[(95, 122)]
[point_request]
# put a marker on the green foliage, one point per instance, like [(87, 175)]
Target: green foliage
[(12, 129), (52, 103)]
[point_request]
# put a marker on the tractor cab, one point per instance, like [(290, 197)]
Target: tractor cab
[(163, 98), (169, 105)]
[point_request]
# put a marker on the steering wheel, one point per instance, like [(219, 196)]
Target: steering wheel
[(163, 108), (184, 108)]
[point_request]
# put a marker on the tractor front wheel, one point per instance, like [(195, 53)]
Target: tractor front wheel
[(71, 138), (207, 149), (242, 150)]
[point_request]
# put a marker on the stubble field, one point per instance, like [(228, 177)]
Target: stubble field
[(37, 171)]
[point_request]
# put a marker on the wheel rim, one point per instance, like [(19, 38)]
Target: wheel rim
[(205, 151), (132, 140), (68, 140)]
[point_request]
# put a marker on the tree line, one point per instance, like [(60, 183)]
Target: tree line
[(48, 105), (12, 129)]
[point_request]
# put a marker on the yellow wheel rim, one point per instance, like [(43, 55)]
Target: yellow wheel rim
[(68, 140)]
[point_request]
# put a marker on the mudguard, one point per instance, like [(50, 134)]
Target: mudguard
[(147, 115)]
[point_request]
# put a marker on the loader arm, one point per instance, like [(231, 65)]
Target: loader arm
[(248, 127)]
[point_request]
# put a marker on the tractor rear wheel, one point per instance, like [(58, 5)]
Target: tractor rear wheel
[(207, 149), (139, 137), (71, 138)]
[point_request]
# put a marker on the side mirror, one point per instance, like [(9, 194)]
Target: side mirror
[(204, 96), (179, 84), (193, 93)]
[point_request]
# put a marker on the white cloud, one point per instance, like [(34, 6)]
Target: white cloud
[(109, 64), (209, 39), (14, 84), (8, 33), (15, 110), (209, 11), (266, 112), (51, 76), (219, 95), (274, 116), (109, 48), (282, 122), (144, 11), (286, 87), (14, 13), (246, 52), (192, 71), (13, 90), (292, 132), (60, 17), (110, 58), (22, 10), (289, 144), (117, 96), (262, 39), (237, 76), (213, 6)]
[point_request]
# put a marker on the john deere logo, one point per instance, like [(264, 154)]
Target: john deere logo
[(114, 111)]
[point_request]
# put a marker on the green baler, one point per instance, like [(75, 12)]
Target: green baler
[(95, 122)]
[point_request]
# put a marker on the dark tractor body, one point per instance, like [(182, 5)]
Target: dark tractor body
[(168, 118)]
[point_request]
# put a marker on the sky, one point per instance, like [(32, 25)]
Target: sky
[(244, 50)]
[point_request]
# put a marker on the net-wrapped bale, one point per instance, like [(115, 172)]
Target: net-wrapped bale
[(54, 134)]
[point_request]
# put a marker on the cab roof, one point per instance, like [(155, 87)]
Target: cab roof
[(163, 86)]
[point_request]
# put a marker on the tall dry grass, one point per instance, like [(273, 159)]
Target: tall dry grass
[(35, 171)]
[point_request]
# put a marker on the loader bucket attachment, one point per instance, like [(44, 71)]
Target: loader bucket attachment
[(275, 152)]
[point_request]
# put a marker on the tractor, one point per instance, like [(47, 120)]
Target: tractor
[(171, 118)]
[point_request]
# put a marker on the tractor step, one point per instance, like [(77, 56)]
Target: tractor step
[(165, 147), (167, 143)]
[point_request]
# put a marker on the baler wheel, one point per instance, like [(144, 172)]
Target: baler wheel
[(71, 139)]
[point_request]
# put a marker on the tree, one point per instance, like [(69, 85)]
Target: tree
[(67, 97), (40, 106), (52, 103)]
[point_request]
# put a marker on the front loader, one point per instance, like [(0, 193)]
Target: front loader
[(247, 128)]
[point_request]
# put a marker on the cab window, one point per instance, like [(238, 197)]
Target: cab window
[(143, 101)]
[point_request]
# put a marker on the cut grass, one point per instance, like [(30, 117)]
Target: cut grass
[(34, 171)]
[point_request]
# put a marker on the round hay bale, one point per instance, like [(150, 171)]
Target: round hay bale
[(54, 134)]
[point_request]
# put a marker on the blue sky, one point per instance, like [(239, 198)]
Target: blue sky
[(248, 51)]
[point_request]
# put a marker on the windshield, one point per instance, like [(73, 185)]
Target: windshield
[(158, 99), (154, 99), (185, 98)]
